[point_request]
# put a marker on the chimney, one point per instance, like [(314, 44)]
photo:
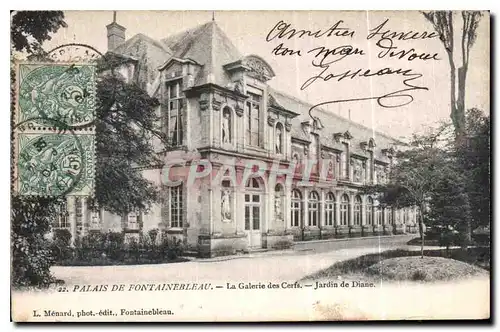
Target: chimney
[(116, 34)]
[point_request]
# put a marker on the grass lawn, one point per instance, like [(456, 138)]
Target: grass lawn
[(405, 265)]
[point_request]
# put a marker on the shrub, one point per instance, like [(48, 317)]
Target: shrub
[(419, 275), (283, 244), (61, 244), (31, 252), (110, 249)]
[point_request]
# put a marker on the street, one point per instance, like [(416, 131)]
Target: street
[(306, 258)]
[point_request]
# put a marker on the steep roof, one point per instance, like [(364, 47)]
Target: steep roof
[(150, 54), (209, 46), (332, 124)]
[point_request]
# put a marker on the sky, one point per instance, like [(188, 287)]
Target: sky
[(248, 31)]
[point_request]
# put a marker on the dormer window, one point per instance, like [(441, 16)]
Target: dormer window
[(254, 106)]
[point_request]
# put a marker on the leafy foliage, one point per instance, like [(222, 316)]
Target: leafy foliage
[(110, 248), (126, 124), (474, 155), (31, 254), (29, 29), (447, 179)]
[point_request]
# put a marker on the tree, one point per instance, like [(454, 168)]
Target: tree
[(449, 206), (474, 156), (413, 176), (31, 218), (126, 123), (29, 29), (458, 57)]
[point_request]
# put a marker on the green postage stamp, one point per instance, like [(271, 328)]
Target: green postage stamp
[(61, 92), (55, 164), (54, 135)]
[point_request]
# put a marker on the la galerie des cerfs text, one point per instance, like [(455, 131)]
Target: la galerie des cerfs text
[(337, 48)]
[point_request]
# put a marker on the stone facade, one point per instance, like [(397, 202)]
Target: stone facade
[(274, 174)]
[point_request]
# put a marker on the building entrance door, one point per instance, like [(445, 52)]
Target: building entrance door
[(253, 214)]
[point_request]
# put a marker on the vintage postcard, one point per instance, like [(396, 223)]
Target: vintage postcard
[(244, 166)]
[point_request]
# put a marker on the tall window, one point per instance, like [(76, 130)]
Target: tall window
[(61, 220), (279, 138), (369, 211), (345, 161), (133, 220), (174, 104), (390, 216), (296, 208), (379, 215), (252, 205), (313, 207), (344, 210), (329, 209), (253, 119), (176, 206), (357, 210)]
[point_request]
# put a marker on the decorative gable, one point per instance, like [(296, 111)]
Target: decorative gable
[(369, 145), (342, 136), (254, 66), (389, 152)]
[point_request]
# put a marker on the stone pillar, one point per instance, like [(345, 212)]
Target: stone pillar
[(238, 206), (287, 202), (337, 209), (365, 228), (350, 216), (268, 214), (321, 221), (363, 210), (305, 200), (85, 217), (71, 217), (210, 209)]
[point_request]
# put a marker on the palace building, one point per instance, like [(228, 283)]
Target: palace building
[(216, 105)]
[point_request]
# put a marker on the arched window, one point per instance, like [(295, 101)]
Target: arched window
[(344, 210), (296, 208), (313, 207), (278, 202), (406, 216), (279, 138), (379, 216), (226, 126), (369, 211), (253, 203), (357, 210), (330, 209), (390, 216)]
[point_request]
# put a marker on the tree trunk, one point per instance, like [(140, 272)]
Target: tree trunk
[(421, 230)]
